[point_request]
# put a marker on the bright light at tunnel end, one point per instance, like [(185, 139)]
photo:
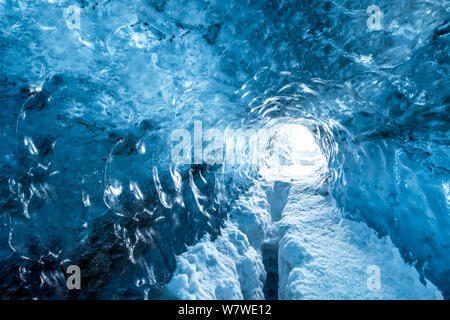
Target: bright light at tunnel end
[(293, 155), (279, 152)]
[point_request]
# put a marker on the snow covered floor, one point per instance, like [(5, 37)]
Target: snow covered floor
[(228, 268), (324, 257), (320, 256)]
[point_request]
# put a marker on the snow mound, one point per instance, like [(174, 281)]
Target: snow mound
[(227, 268)]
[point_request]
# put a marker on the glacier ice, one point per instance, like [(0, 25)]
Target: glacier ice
[(91, 91)]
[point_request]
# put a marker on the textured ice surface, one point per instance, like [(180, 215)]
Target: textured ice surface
[(88, 106)]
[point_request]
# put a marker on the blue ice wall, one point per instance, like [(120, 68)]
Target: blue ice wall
[(88, 107)]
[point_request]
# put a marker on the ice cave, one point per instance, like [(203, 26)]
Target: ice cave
[(239, 149)]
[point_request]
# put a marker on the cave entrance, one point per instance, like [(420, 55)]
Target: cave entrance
[(291, 154)]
